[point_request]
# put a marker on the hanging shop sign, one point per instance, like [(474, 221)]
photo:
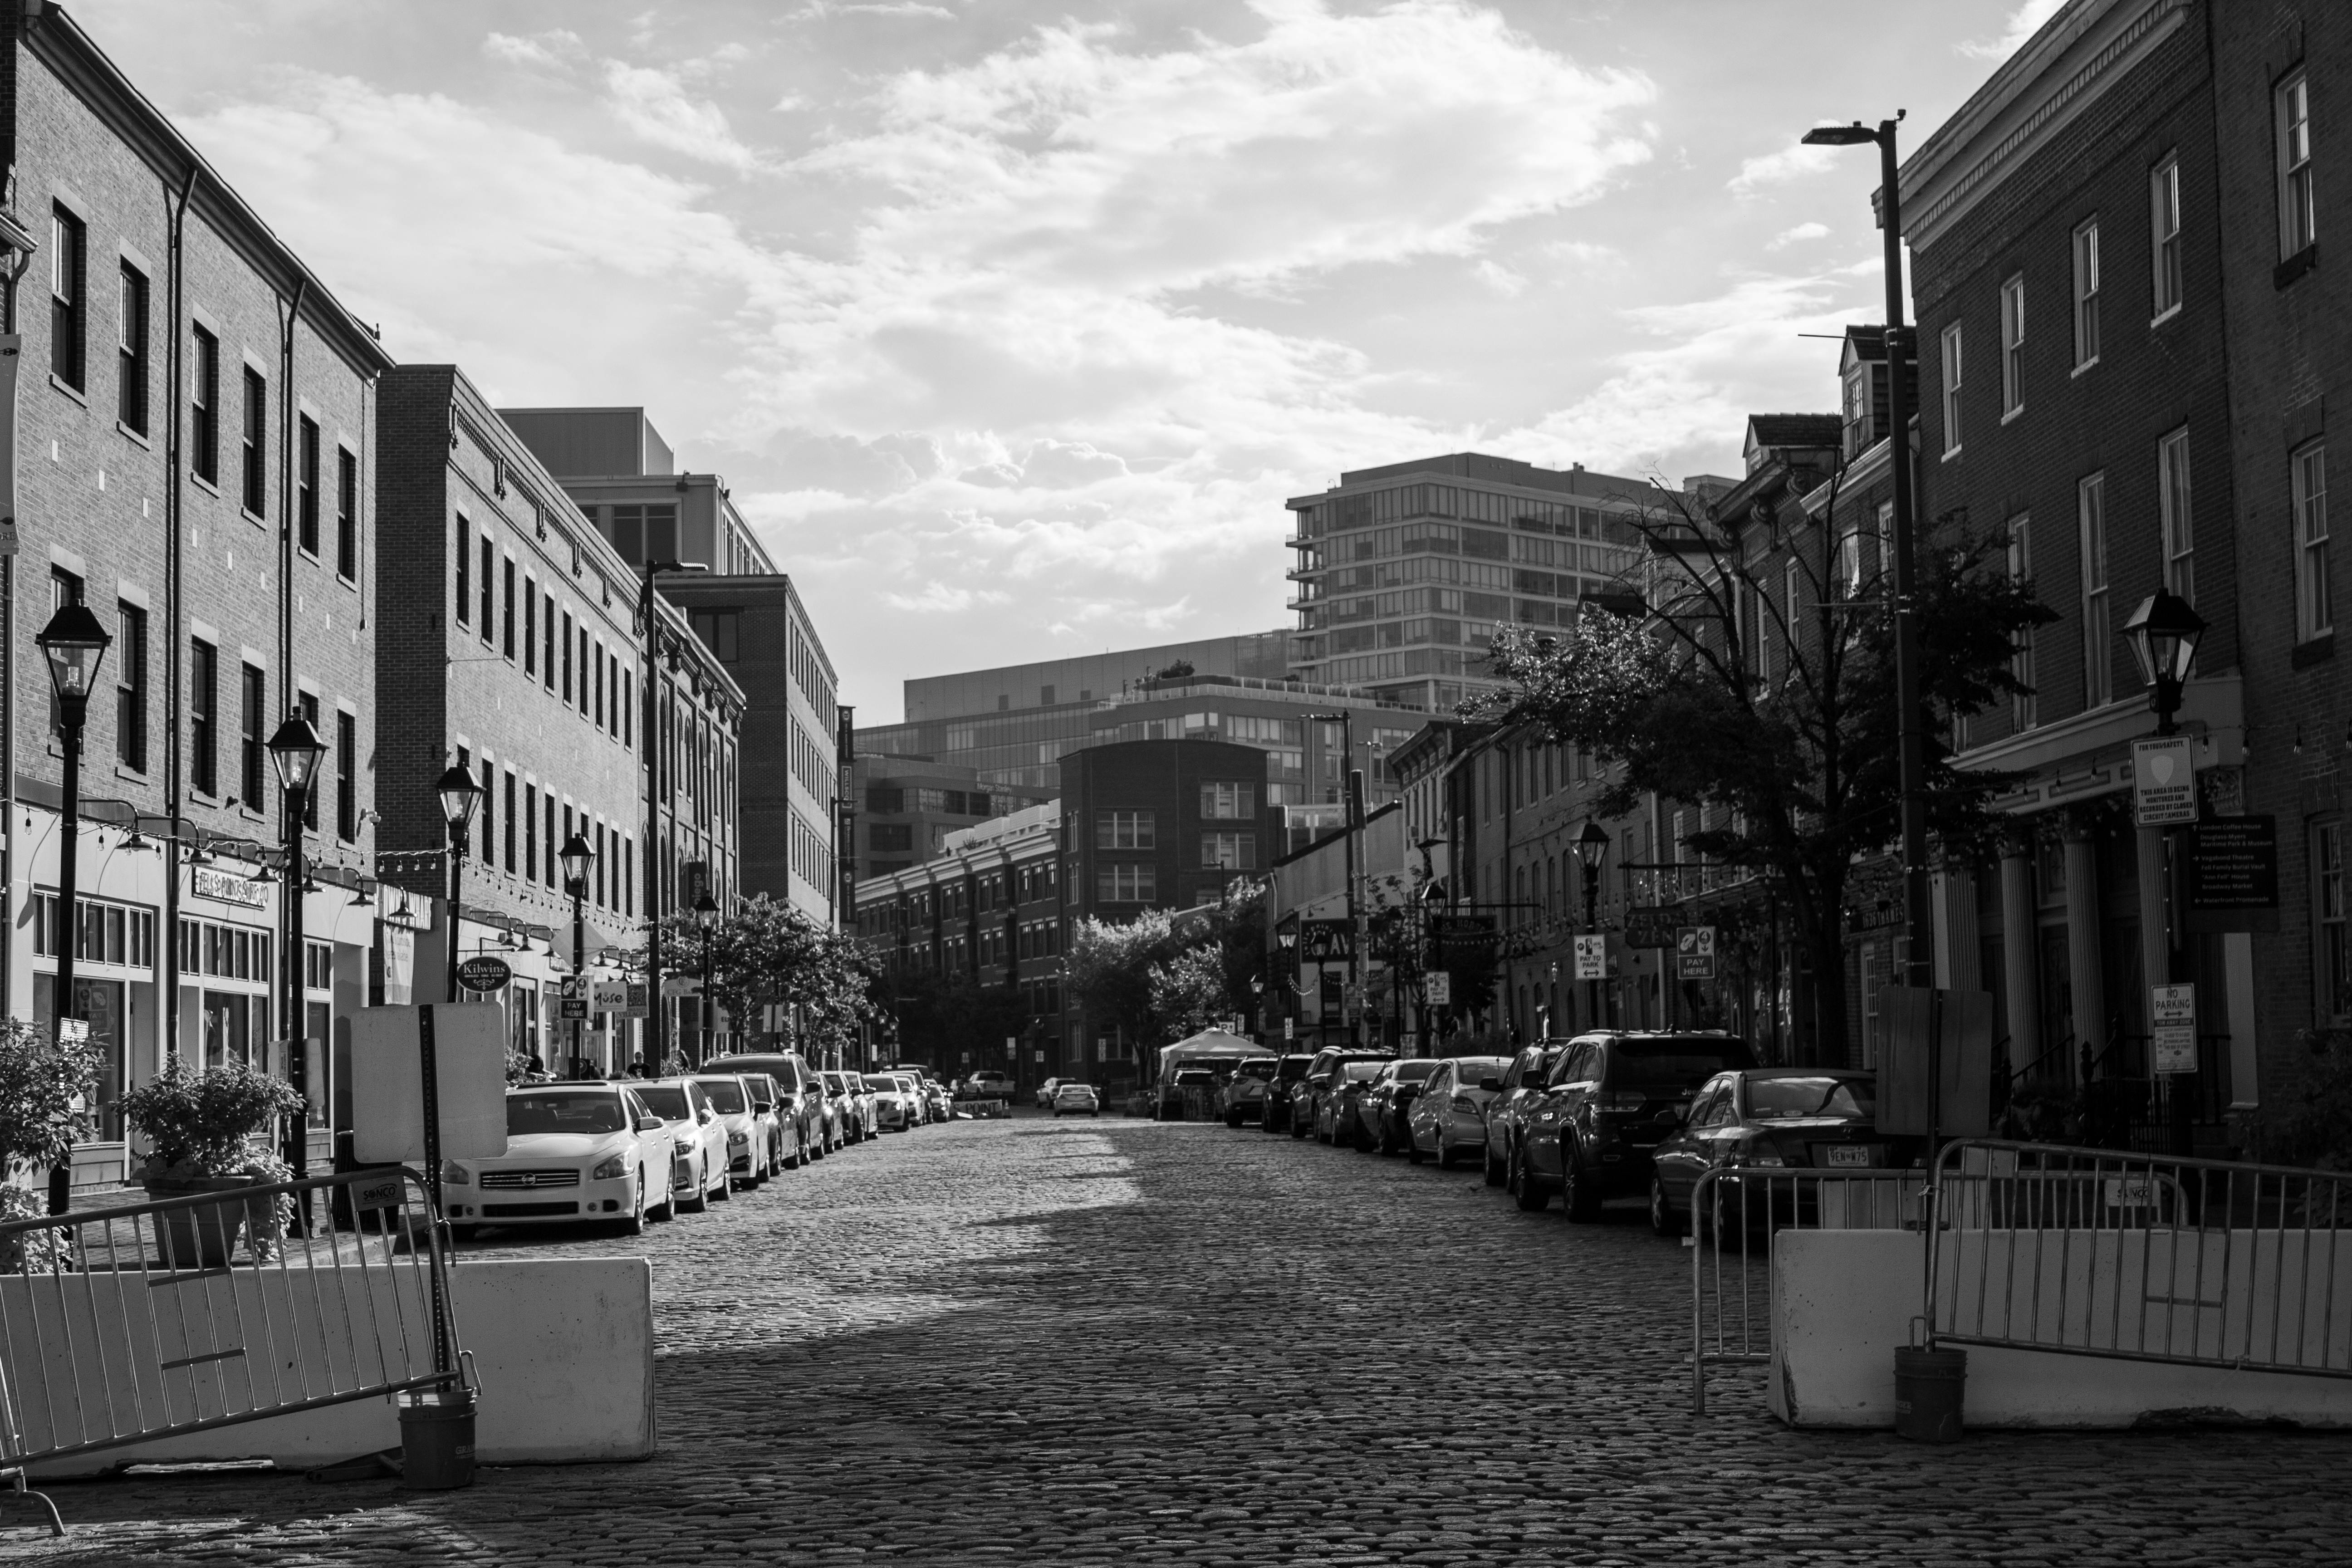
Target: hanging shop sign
[(485, 973), (228, 888)]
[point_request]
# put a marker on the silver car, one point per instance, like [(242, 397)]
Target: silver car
[(1448, 1118)]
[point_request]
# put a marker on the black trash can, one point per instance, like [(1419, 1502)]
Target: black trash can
[(1928, 1384), (437, 1439)]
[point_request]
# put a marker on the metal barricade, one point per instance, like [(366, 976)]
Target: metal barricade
[(2137, 1256), (1736, 1211), (122, 1325)]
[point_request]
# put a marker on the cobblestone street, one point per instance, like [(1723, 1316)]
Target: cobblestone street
[(1109, 1341)]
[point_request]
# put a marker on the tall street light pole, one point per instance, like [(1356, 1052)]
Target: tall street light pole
[(2163, 633), (1912, 756), (1591, 845), (1351, 797), (75, 644), (577, 858), (706, 920), (649, 737), (295, 751)]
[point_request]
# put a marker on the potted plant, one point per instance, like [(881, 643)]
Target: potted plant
[(203, 1127), (45, 1105)]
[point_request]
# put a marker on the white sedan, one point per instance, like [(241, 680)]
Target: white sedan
[(747, 1136), (576, 1153), (896, 1105), (1076, 1100), (699, 1167)]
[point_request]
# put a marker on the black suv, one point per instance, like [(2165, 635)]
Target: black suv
[(1282, 1089), (1612, 1097)]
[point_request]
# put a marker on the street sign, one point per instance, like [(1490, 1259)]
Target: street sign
[(2172, 1044), (571, 998), (609, 996), (1649, 928), (1592, 957), (1327, 942), (1695, 953), (2233, 875), (73, 1031), (2164, 782), (1290, 1028), (484, 973), (640, 999), (1437, 984)]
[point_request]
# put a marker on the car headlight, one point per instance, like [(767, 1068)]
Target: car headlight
[(611, 1170), (738, 1140), (453, 1175)]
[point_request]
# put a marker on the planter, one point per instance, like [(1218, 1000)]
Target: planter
[(203, 1235)]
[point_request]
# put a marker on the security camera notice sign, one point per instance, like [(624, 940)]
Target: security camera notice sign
[(2164, 782)]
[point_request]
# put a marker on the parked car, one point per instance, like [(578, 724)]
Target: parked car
[(1447, 1119), (698, 1159), (1610, 1102), (1516, 1088), (784, 1132), (1282, 1089), (848, 1089), (988, 1084), (1310, 1112), (1381, 1107), (576, 1153), (939, 1105), (799, 1096), (1071, 1098), (747, 1135), (1241, 1096), (1045, 1093), (897, 1104), (1770, 1119), (1336, 1108)]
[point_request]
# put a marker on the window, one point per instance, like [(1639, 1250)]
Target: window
[(547, 641), (1951, 389), (2086, 294), (203, 714), (2163, 235), (1229, 802), (130, 339), (1126, 884), (68, 314), (306, 485), (2314, 606), (254, 447), (2022, 713), (347, 777), (506, 602), (489, 589), (1229, 851), (1792, 574), (347, 514), (1845, 580), (490, 815), (2334, 959), (308, 703), (596, 712), (130, 688), (465, 572), (204, 408), (1124, 830), (512, 860), (2179, 531), (567, 658), (252, 763), (2012, 346), (529, 626), (530, 831), (2098, 652), (2297, 226)]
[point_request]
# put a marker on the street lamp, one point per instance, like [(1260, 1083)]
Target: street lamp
[(649, 737), (1911, 751), (75, 644), (1351, 800), (1591, 844), (295, 751), (2163, 634), (577, 858), (706, 920)]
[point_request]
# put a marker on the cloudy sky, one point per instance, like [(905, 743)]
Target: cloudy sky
[(1011, 324)]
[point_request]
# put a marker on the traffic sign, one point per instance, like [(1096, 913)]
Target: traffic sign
[(484, 973), (1695, 953), (571, 998), (2173, 1029), (1437, 984), (2164, 782), (1592, 957)]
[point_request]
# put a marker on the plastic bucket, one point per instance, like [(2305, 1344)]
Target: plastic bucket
[(436, 1441), (1928, 1390)]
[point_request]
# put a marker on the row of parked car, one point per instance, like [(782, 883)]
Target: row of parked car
[(622, 1151), (1605, 1115)]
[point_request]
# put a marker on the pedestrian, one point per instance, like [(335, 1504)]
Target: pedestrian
[(637, 1066)]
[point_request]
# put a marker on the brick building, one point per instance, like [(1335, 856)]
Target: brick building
[(509, 646), (194, 418)]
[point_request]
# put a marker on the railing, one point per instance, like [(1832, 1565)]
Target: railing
[(122, 1325)]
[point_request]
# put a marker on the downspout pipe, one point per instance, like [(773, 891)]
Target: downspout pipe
[(174, 610)]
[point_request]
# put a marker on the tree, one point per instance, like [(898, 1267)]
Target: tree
[(1800, 770), (950, 1016), (1107, 970), (767, 953), (1188, 992), (46, 1088)]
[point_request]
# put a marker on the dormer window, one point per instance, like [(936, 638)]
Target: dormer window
[(1865, 405)]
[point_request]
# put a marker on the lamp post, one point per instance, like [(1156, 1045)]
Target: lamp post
[(706, 920), (75, 644), (1911, 744), (649, 737), (295, 751), (1591, 845), (2163, 633), (1352, 801), (578, 857)]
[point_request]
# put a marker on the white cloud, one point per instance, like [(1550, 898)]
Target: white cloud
[(2024, 23), (1794, 161), (655, 106), (549, 51), (1789, 236), (1498, 278)]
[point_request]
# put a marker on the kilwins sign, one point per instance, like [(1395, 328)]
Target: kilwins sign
[(227, 887)]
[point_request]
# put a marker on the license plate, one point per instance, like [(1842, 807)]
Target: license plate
[(1850, 1155)]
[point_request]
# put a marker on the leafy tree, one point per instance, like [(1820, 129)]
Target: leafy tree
[(767, 953), (46, 1090), (1188, 992), (1800, 768), (1107, 970)]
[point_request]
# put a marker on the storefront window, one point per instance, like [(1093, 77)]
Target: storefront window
[(101, 1002)]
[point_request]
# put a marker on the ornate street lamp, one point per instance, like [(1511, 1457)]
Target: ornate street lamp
[(706, 919), (74, 644), (295, 751), (1591, 845), (2163, 634), (578, 858)]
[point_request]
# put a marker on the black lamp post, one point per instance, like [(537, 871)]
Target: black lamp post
[(578, 857), (1591, 845), (706, 920), (295, 751), (2163, 634), (75, 644)]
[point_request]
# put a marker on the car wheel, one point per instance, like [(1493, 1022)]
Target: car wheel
[(1412, 1149), (636, 1223), (1530, 1197), (792, 1159), (1363, 1140), (1663, 1220), (1446, 1158), (1386, 1143), (1496, 1169), (1234, 1118), (1578, 1195), (699, 1203), (726, 1187)]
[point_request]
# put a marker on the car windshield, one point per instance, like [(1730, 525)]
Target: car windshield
[(664, 1099), (1361, 1072), (1293, 1068), (575, 1110), (1470, 1069), (1254, 1070), (726, 1095), (880, 1085), (1079, 1091), (1413, 1072), (1849, 1097), (1671, 1067)]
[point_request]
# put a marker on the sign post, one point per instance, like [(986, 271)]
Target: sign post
[(2164, 782), (1437, 984), (2173, 1021), (1592, 957), (1695, 953)]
